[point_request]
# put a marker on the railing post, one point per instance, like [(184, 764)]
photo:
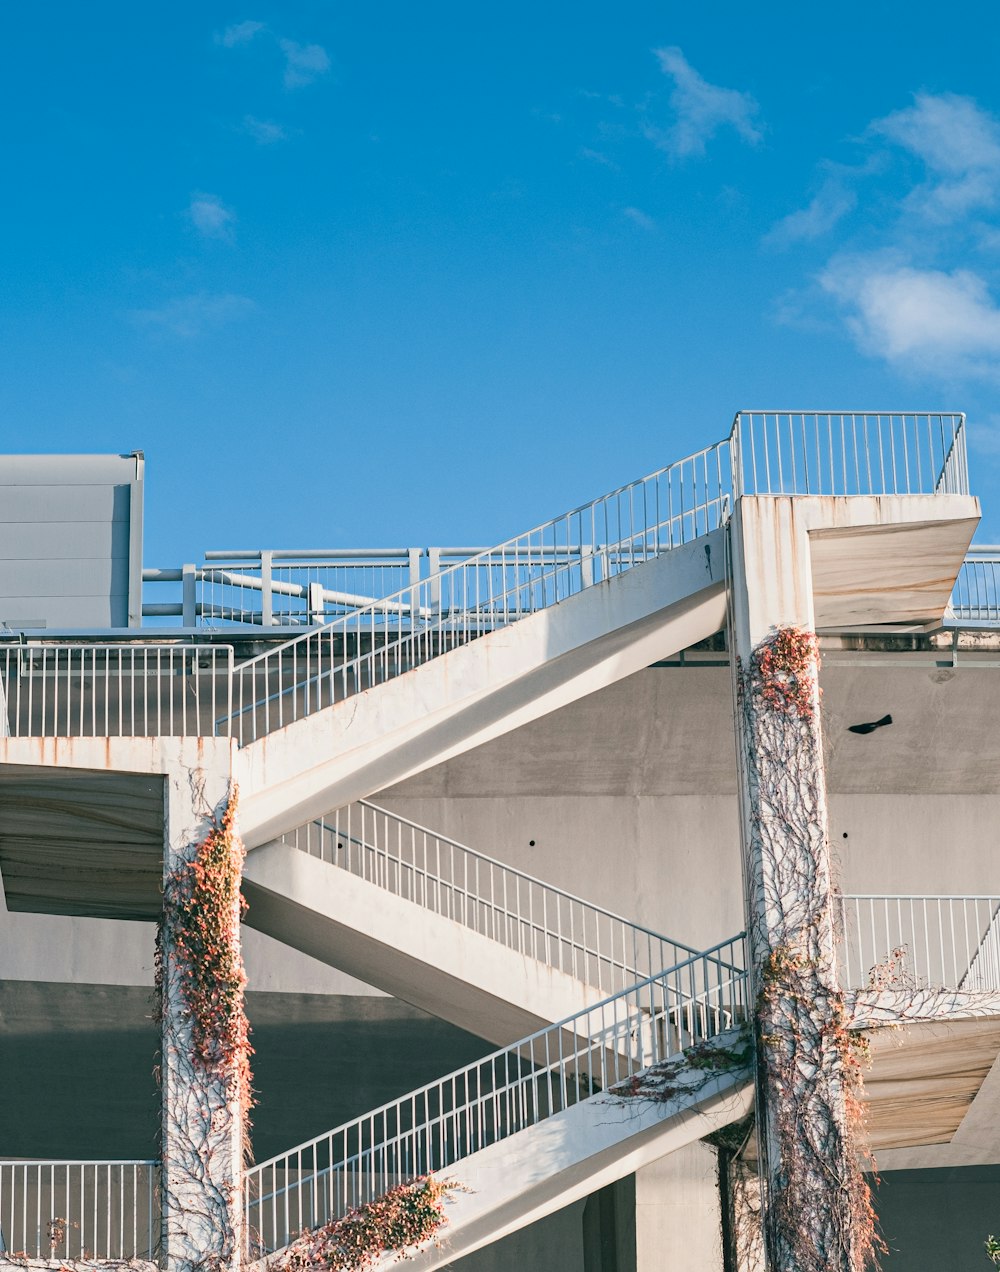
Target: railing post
[(189, 596), (434, 585), (317, 606), (266, 594)]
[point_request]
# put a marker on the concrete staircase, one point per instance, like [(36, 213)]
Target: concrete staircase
[(535, 1125), (458, 934)]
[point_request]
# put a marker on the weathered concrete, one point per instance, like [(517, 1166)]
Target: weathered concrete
[(421, 957)]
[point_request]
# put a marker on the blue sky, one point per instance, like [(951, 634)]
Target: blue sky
[(395, 274)]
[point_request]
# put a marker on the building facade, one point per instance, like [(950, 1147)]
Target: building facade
[(507, 821)]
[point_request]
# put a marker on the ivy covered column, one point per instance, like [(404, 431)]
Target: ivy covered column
[(817, 1210), (205, 1049)]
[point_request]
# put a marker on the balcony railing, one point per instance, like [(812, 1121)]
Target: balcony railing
[(976, 596), (115, 690), (849, 453), (63, 1211), (919, 942)]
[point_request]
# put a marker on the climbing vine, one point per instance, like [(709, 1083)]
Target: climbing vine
[(818, 1214), (206, 1075), (202, 909), (402, 1219)]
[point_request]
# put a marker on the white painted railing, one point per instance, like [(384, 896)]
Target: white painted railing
[(285, 588), (506, 1092), (492, 589), (526, 915), (68, 1210), (919, 942), (849, 453), (976, 596), (123, 690)]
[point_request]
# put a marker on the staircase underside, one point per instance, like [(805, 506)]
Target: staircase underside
[(427, 960)]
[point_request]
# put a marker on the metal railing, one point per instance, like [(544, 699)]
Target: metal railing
[(976, 595), (284, 588), (526, 915), (67, 1210), (124, 690), (494, 1098), (492, 589), (849, 453), (919, 942)]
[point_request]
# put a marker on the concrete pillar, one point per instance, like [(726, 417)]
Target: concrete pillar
[(202, 1121), (816, 1212), (678, 1225)]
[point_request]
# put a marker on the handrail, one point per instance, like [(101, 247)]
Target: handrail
[(491, 1099), (919, 942), (72, 1209), (507, 905), (849, 453), (975, 597), (128, 689), (492, 589)]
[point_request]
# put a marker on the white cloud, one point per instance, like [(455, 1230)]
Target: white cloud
[(924, 319), (831, 203), (264, 131), (189, 316), (598, 156), (303, 62), (211, 218), (959, 144), (701, 109), (239, 33), (640, 218)]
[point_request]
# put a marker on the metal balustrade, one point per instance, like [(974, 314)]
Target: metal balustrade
[(277, 588), (492, 589), (919, 942), (976, 595), (849, 453), (123, 690), (526, 915), (69, 1210), (494, 1098)]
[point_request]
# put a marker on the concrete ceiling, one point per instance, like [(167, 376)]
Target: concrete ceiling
[(923, 1081), (74, 841)]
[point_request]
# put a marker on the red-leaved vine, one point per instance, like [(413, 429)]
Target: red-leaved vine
[(200, 925), (783, 672), (400, 1220)]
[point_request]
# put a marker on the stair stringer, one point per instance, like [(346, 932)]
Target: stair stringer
[(566, 1157), (520, 1181), (423, 958), (479, 691)]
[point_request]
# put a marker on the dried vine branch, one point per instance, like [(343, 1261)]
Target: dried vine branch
[(819, 1214)]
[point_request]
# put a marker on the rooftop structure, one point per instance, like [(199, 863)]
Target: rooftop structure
[(532, 831)]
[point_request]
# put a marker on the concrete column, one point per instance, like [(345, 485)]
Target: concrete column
[(678, 1225), (202, 1124), (815, 1212)]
